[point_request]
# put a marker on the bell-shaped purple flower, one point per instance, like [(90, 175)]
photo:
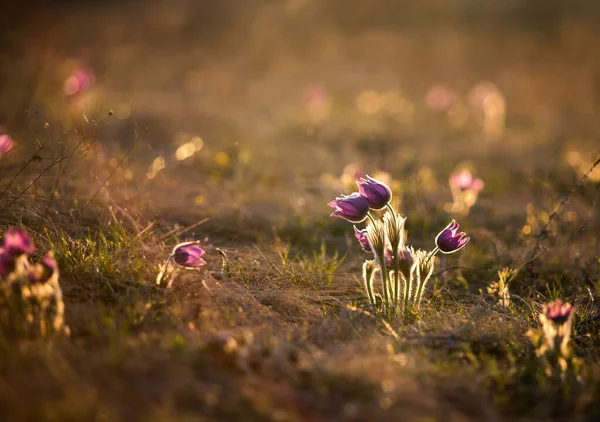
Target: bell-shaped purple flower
[(18, 242), (361, 235), (558, 312), (449, 241), (353, 208), (6, 143), (188, 255), (377, 193)]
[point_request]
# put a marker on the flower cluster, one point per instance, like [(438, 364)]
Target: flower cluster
[(465, 191), (30, 293), (403, 271), (187, 255)]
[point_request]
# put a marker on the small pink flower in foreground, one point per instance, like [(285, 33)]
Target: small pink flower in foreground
[(6, 143), (361, 235), (188, 255), (558, 312), (449, 241), (463, 180), (377, 193), (353, 208), (18, 242)]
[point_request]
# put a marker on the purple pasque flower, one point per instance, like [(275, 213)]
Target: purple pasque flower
[(449, 241), (353, 208), (42, 272), (188, 255), (463, 180), (361, 235), (558, 312), (377, 193), (6, 144), (18, 242), (7, 263), (388, 258), (405, 258)]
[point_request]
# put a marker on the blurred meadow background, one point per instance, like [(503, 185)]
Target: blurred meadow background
[(140, 124)]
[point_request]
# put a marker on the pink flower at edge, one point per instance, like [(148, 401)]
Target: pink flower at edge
[(18, 242), (6, 144)]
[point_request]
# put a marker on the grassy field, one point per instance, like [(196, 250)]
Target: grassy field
[(142, 125)]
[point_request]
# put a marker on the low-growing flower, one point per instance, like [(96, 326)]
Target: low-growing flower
[(188, 255), (18, 242), (377, 193), (6, 144), (449, 241), (353, 208), (405, 261), (361, 235), (558, 312)]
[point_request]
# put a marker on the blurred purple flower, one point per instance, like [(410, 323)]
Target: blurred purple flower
[(42, 272), (7, 263), (353, 170), (188, 255), (440, 98), (448, 241), (18, 242), (405, 260), (78, 81), (353, 208), (557, 311), (388, 260), (463, 180), (377, 193), (361, 235), (6, 144)]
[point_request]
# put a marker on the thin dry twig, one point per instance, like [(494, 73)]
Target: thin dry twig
[(544, 231)]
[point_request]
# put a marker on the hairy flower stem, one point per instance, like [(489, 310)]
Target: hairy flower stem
[(396, 262), (371, 218), (419, 292), (385, 283), (432, 254), (369, 288)]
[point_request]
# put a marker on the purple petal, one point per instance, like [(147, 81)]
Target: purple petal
[(188, 254)]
